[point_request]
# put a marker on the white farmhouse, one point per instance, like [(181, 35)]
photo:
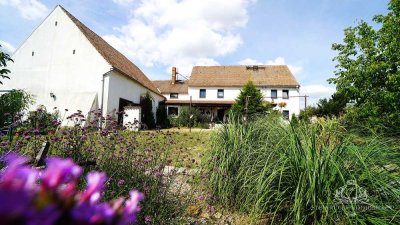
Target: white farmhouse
[(68, 66), (214, 88)]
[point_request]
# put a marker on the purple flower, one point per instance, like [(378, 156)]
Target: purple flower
[(60, 171), (120, 183), (132, 207), (27, 137), (147, 219), (96, 183)]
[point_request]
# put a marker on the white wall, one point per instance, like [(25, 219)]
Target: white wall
[(181, 96), (230, 93), (75, 79), (119, 86), (292, 103)]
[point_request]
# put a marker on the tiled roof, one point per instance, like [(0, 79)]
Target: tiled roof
[(165, 86), (237, 76), (116, 59)]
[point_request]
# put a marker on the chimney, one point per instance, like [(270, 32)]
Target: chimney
[(173, 75)]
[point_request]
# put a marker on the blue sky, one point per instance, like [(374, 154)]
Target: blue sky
[(156, 34)]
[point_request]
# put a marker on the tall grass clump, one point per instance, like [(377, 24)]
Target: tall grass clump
[(304, 173)]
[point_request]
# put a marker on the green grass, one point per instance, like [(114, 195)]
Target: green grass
[(294, 175)]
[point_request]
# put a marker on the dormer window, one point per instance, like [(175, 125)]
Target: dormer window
[(173, 95)]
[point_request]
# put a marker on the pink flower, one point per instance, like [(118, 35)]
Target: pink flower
[(96, 181), (60, 171)]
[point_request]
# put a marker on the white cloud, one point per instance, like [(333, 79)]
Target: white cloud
[(278, 61), (182, 33), (123, 2), (316, 92), (29, 9), (7, 47)]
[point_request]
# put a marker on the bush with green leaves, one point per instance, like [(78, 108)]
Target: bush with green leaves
[(162, 116), (11, 103), (146, 101), (305, 174)]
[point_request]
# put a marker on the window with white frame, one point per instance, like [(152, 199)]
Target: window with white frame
[(202, 93)]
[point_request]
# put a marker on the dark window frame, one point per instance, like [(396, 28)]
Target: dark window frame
[(286, 114), (174, 95), (283, 95), (202, 93), (175, 108), (219, 91), (276, 93)]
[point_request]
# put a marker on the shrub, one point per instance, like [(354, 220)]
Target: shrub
[(161, 115), (146, 101), (12, 103), (307, 174)]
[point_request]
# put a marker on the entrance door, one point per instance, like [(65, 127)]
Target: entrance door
[(220, 114)]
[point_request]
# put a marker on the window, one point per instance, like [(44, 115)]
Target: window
[(173, 95), (202, 93), (285, 114), (73, 52), (173, 111), (55, 23), (274, 93), (220, 93), (285, 94), (33, 53)]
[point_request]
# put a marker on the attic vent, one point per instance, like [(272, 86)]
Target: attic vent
[(55, 23), (33, 53), (73, 52), (255, 67)]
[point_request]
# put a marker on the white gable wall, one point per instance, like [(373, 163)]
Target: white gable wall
[(73, 78)]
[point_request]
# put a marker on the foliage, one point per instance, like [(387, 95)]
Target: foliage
[(146, 101), (304, 174), (43, 120), (4, 59), (12, 103), (255, 101), (182, 120), (368, 70), (52, 197), (161, 115), (334, 106)]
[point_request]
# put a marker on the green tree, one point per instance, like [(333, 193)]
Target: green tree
[(334, 106), (368, 69), (146, 101), (4, 58), (161, 115), (12, 103), (255, 99)]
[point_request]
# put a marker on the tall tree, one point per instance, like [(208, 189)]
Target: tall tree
[(368, 69), (4, 59), (254, 98)]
